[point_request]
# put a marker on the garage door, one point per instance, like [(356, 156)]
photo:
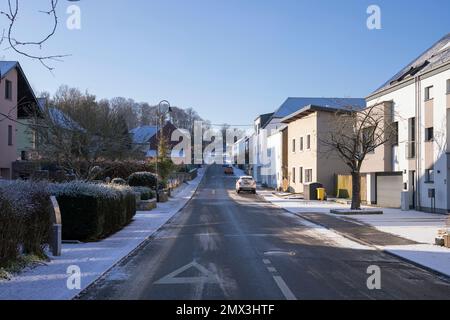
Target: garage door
[(389, 190)]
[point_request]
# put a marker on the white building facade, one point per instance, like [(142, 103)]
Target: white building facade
[(416, 175)]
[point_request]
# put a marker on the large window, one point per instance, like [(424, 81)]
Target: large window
[(308, 142), (300, 175), (293, 175), (429, 93), (308, 175), (8, 90), (301, 144), (293, 145), (411, 146)]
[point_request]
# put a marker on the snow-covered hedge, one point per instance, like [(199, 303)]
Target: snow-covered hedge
[(143, 179), (24, 219), (146, 193), (93, 211)]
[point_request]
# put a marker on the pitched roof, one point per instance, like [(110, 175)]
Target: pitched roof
[(437, 55), (265, 119), (25, 91), (142, 135), (7, 66), (292, 105)]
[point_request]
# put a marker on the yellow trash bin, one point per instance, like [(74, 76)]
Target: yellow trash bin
[(321, 194)]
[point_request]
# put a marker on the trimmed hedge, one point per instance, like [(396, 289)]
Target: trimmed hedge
[(146, 193), (92, 212), (25, 221), (143, 179)]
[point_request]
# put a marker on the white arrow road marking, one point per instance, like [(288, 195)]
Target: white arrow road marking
[(205, 277)]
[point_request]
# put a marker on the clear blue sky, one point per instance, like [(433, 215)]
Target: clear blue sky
[(232, 59)]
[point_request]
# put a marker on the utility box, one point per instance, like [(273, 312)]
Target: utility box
[(310, 190)]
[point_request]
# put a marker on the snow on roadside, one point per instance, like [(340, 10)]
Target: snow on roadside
[(49, 282)]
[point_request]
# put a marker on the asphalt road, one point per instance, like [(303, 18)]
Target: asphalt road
[(228, 246)]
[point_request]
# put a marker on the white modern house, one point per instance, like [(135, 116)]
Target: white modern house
[(273, 177), (413, 171)]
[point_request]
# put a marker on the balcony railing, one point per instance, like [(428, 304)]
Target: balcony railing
[(411, 148)]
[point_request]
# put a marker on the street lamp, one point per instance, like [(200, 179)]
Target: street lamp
[(160, 127)]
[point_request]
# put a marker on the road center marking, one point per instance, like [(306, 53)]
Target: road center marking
[(284, 288), (205, 276), (279, 281)]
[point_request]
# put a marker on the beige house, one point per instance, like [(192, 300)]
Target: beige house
[(308, 159)]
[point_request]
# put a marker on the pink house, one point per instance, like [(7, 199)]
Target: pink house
[(16, 97)]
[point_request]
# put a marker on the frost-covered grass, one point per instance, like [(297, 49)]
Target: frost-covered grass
[(13, 267)]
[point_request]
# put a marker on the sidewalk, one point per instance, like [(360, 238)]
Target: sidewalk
[(49, 281), (407, 234)]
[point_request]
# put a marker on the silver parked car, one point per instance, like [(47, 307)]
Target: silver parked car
[(246, 183)]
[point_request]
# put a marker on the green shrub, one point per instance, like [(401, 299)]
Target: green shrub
[(143, 179), (146, 193), (25, 220), (93, 211)]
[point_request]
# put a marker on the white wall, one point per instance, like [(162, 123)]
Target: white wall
[(404, 107), (272, 174)]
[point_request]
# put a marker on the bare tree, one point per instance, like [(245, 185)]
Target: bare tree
[(26, 47), (80, 133), (353, 135)]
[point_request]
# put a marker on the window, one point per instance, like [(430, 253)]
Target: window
[(10, 135), (301, 144), (8, 90), (300, 175), (448, 86), (293, 145), (429, 175), (293, 175), (429, 134), (429, 93), (308, 175), (395, 139), (308, 142), (368, 141), (411, 146)]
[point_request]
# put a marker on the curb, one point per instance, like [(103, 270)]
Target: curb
[(142, 244), (437, 273)]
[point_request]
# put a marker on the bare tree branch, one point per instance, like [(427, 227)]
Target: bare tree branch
[(19, 46)]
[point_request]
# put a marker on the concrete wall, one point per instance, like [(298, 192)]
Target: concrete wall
[(7, 152)]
